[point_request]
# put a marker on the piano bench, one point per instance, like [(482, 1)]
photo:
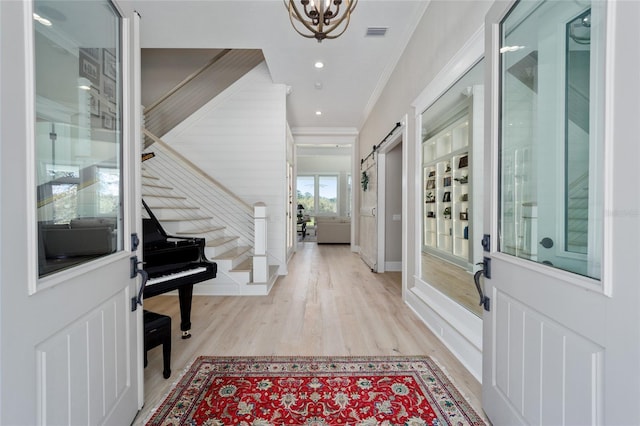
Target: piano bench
[(157, 331)]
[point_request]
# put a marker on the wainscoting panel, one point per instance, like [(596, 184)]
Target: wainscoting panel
[(83, 369), (536, 362)]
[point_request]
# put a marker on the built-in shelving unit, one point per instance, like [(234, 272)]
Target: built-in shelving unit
[(447, 198)]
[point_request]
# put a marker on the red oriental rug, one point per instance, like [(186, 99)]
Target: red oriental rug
[(261, 391)]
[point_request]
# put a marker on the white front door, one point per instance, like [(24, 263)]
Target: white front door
[(561, 340), (368, 210), (70, 342)]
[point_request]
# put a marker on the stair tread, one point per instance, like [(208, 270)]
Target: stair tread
[(233, 253), (245, 266), (172, 197), (219, 241), (174, 207), (201, 230), (185, 219)]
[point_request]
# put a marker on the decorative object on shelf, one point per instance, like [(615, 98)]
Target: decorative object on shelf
[(446, 198), (464, 215), (446, 181), (448, 168), (430, 198), (447, 212), (431, 214), (465, 233), (320, 17), (463, 179), (464, 197), (432, 173), (431, 184), (463, 162), (364, 181)]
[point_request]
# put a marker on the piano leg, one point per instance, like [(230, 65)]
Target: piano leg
[(185, 294)]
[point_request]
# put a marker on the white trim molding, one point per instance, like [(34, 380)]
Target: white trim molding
[(459, 329)]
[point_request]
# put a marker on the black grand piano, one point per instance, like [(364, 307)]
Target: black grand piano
[(174, 263)]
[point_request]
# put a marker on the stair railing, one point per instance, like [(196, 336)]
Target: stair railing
[(260, 264), (198, 170)]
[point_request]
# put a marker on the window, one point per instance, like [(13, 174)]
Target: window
[(306, 192), (552, 83), (78, 134), (318, 194), (327, 194)]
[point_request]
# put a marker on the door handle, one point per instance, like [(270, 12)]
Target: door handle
[(485, 302), (373, 212)]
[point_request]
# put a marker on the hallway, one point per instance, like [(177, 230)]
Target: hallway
[(329, 304)]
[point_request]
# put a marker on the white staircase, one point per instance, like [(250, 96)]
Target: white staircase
[(228, 244)]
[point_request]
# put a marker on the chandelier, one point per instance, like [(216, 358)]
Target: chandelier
[(320, 17)]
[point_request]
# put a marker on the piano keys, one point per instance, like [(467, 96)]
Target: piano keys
[(174, 263), (163, 278)]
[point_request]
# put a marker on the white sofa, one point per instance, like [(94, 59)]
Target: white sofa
[(336, 230)]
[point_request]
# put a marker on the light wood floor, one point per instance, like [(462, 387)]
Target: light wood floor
[(330, 303)]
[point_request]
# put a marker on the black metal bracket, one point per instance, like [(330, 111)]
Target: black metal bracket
[(133, 266), (486, 242), (486, 267), (135, 242)]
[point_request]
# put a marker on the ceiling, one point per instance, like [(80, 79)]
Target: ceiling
[(356, 66)]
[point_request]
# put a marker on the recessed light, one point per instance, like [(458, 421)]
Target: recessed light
[(319, 65), (318, 85), (318, 112), (84, 87)]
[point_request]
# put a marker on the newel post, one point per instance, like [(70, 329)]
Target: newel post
[(260, 264)]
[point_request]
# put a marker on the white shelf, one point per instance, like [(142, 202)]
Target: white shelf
[(445, 181)]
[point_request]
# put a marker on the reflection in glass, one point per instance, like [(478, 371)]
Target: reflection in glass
[(78, 132), (452, 189), (550, 196)]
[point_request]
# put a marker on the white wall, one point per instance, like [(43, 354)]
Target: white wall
[(240, 139), (443, 30)]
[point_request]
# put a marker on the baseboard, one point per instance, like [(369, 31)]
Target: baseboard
[(393, 266), (463, 340)]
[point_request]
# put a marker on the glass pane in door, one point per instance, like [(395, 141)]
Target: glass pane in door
[(551, 135), (78, 133)]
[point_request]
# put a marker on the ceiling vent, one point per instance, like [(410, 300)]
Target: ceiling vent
[(376, 31)]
